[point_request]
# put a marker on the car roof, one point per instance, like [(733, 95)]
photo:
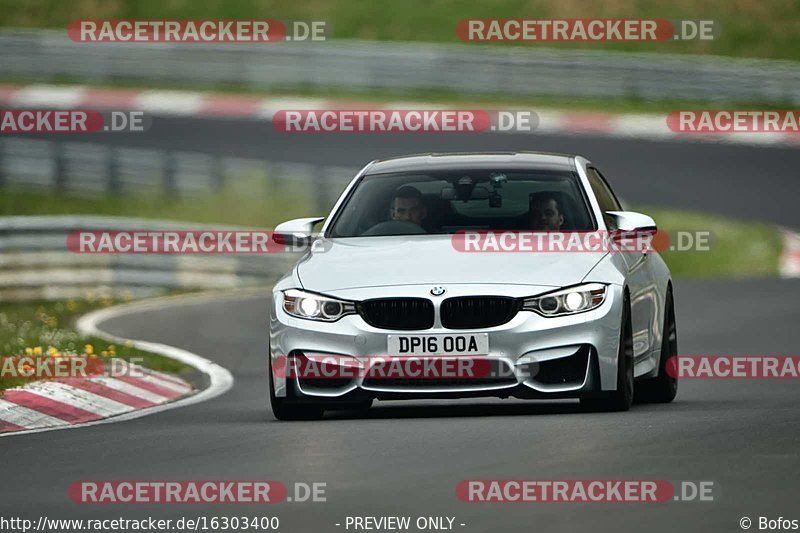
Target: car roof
[(474, 160)]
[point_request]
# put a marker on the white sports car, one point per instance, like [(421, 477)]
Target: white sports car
[(389, 303)]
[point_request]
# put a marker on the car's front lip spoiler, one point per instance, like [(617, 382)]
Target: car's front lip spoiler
[(513, 384)]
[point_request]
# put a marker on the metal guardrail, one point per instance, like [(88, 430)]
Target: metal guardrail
[(358, 65), (35, 262), (95, 169)]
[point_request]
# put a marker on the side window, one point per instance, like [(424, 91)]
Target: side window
[(606, 198)]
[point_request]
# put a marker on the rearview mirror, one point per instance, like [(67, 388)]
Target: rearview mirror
[(297, 232)]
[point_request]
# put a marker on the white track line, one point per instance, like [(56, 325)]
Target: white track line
[(170, 102), (50, 96), (221, 380)]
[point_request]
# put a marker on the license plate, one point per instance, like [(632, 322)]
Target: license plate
[(468, 344)]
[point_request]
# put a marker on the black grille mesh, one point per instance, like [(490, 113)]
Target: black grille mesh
[(398, 313), (478, 311)]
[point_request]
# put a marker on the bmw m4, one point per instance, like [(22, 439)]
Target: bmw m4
[(406, 293)]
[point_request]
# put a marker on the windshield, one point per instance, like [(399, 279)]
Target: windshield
[(445, 202)]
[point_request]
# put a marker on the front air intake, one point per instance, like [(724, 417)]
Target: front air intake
[(397, 313), (474, 312)]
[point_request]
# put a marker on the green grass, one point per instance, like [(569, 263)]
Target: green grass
[(750, 28), (35, 327), (737, 248), (233, 207)]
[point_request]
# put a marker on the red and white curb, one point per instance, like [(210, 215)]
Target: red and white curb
[(72, 403), (790, 256), (203, 104), (46, 404)]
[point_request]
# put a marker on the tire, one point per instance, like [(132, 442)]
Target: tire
[(622, 398), (662, 388), (284, 409)]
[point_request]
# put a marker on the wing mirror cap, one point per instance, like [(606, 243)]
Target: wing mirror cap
[(632, 221), (296, 232)]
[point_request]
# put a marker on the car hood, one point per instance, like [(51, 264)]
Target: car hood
[(424, 259)]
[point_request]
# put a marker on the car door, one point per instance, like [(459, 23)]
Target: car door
[(641, 282)]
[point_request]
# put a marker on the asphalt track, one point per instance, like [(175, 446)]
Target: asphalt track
[(406, 458)]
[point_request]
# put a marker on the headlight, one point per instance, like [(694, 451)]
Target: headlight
[(315, 306), (567, 301)]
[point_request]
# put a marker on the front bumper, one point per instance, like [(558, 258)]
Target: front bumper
[(538, 357)]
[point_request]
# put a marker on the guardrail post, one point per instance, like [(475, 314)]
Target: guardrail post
[(59, 171), (274, 177), (113, 171), (217, 173), (321, 188), (2, 168), (170, 174)]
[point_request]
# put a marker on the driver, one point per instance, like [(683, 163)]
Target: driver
[(546, 214), (408, 205)]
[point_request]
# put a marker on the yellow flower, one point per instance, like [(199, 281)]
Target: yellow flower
[(89, 349), (28, 351), (52, 351), (104, 353), (37, 350), (92, 356)]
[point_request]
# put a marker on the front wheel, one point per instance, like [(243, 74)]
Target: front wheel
[(664, 387), (622, 398)]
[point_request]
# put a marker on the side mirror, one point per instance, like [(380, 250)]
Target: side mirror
[(632, 221), (297, 232)]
